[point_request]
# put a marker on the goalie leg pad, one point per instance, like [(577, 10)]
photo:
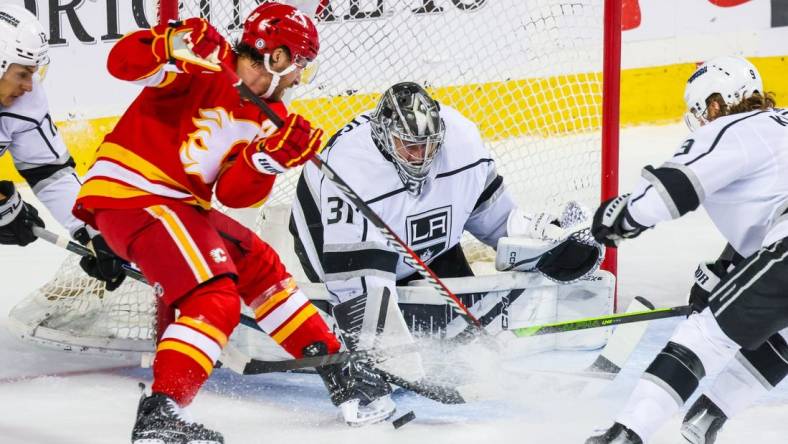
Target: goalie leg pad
[(191, 345), (374, 320)]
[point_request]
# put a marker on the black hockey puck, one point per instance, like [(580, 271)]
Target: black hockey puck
[(404, 419)]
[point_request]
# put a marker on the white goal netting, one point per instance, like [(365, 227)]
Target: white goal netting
[(528, 72)]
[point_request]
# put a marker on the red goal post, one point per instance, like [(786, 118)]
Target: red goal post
[(540, 78)]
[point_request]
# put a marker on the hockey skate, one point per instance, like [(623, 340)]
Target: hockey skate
[(357, 389), (702, 422), (617, 434), (161, 421)]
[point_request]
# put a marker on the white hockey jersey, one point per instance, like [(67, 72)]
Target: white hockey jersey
[(40, 155), (463, 192), (737, 168)]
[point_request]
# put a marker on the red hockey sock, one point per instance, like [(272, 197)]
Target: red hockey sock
[(191, 345), (290, 318)]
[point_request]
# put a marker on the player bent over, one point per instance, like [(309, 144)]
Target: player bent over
[(733, 164), (38, 151), (187, 136), (423, 168)]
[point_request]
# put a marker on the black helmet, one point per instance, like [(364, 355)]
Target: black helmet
[(407, 120)]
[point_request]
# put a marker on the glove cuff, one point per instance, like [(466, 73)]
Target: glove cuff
[(705, 278), (266, 164), (10, 207)]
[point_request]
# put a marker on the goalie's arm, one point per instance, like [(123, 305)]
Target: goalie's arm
[(490, 214)]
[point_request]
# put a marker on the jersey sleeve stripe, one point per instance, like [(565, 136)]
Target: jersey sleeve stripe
[(490, 193), (362, 258), (306, 200), (675, 188), (39, 177)]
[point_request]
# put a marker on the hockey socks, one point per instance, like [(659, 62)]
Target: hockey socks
[(289, 317), (191, 345)]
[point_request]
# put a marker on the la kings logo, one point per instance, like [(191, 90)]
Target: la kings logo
[(429, 232)]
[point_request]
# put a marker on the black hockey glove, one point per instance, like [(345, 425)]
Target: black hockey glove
[(707, 276), (612, 222), (105, 266), (17, 217)]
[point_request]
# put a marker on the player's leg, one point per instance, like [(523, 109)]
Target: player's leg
[(745, 309), (284, 312), (281, 309), (749, 376), (185, 260)]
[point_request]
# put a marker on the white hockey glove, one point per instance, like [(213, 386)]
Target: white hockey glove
[(612, 222), (542, 226)]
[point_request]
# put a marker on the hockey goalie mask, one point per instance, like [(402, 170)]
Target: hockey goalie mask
[(22, 39), (734, 78), (408, 129), (273, 25)]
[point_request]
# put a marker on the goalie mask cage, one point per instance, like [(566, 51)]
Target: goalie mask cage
[(540, 78)]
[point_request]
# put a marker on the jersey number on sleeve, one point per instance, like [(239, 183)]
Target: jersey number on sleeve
[(337, 209)]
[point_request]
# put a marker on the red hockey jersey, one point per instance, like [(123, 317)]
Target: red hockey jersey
[(180, 139)]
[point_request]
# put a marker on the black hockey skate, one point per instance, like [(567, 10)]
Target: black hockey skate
[(702, 422), (360, 392), (159, 421), (617, 434)]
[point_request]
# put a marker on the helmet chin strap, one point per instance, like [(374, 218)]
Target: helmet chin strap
[(275, 76)]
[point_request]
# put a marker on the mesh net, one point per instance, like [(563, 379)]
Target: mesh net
[(528, 72)]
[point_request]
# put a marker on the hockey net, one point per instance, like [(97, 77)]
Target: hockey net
[(528, 72)]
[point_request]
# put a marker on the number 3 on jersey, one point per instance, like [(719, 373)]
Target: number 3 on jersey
[(339, 211)]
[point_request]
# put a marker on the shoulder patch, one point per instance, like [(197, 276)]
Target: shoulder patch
[(685, 147)]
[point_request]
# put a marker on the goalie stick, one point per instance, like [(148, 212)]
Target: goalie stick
[(255, 366), (242, 364)]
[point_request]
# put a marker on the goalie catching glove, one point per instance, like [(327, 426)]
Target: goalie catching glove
[(556, 247), (292, 145), (191, 45), (17, 217)]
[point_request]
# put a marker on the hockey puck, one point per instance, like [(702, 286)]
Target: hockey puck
[(404, 419)]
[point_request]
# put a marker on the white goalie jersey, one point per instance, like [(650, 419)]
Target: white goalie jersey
[(463, 192), (28, 132), (736, 168)]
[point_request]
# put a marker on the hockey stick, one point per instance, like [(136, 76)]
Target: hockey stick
[(602, 321), (133, 273), (242, 364), (410, 257)]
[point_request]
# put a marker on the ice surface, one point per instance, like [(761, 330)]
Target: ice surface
[(57, 397)]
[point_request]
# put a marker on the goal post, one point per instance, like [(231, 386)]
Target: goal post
[(540, 78)]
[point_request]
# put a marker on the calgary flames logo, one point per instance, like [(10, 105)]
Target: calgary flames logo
[(217, 132)]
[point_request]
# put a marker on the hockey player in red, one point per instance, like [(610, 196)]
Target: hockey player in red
[(187, 136)]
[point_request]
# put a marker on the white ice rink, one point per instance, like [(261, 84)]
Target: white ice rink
[(49, 397)]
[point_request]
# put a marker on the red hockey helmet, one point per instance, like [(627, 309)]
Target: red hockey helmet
[(273, 24)]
